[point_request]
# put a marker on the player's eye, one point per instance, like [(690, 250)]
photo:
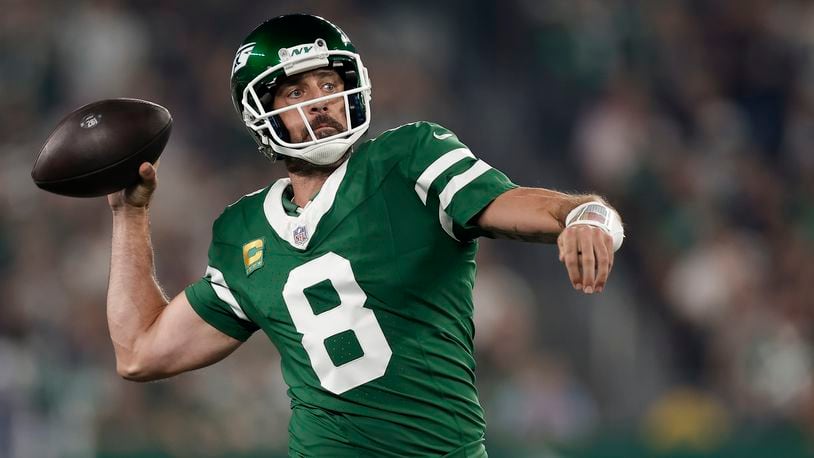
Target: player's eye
[(329, 87), (294, 93)]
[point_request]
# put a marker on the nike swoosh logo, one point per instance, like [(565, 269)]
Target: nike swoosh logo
[(442, 136)]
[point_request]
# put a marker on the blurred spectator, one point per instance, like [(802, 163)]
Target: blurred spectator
[(686, 419), (102, 50)]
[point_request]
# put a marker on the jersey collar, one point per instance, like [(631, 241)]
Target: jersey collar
[(299, 230)]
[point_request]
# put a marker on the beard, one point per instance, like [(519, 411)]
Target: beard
[(329, 127)]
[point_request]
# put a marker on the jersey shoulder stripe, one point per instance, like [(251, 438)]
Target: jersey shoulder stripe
[(455, 185), (459, 181), (218, 284), (438, 167)]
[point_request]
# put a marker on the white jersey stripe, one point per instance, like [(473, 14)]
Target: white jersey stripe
[(438, 167), (455, 185), (459, 181), (446, 223), (223, 292)]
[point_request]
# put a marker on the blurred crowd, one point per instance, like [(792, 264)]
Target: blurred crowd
[(692, 117)]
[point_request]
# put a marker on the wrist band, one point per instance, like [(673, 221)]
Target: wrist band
[(601, 216)]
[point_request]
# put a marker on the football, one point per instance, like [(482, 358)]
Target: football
[(97, 149)]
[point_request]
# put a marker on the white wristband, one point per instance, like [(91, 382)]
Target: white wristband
[(599, 215)]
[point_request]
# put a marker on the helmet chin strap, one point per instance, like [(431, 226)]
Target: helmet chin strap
[(322, 153)]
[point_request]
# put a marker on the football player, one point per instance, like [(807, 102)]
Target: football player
[(358, 266)]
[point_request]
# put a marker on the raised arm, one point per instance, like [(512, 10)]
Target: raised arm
[(152, 337), (539, 215)]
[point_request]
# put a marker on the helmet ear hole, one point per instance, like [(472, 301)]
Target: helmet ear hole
[(267, 100), (357, 110), (279, 128), (267, 97), (350, 78)]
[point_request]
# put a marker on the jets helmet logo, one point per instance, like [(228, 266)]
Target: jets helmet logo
[(242, 57)]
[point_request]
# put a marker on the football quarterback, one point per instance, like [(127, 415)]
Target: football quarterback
[(360, 273)]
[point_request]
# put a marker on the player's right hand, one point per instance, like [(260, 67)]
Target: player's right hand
[(140, 194), (587, 252)]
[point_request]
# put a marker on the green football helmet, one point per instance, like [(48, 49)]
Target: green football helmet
[(285, 46)]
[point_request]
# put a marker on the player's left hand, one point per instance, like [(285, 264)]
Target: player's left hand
[(587, 252), (140, 194)]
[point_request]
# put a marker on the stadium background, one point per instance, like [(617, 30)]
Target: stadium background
[(695, 118)]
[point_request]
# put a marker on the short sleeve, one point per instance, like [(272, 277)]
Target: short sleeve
[(212, 297), (444, 171)]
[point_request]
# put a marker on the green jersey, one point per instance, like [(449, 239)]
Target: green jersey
[(367, 294)]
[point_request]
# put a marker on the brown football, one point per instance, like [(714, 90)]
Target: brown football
[(97, 149)]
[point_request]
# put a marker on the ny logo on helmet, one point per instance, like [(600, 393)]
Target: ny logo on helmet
[(302, 50), (299, 50)]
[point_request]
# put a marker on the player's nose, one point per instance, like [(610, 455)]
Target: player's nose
[(318, 107)]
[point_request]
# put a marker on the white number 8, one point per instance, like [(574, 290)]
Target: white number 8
[(348, 315)]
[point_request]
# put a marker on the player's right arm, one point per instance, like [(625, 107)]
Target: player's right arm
[(153, 337)]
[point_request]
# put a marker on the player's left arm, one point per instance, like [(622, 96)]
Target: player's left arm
[(586, 229)]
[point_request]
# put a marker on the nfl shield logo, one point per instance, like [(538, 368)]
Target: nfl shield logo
[(300, 235)]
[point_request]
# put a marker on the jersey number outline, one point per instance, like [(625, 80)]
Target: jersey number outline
[(350, 314)]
